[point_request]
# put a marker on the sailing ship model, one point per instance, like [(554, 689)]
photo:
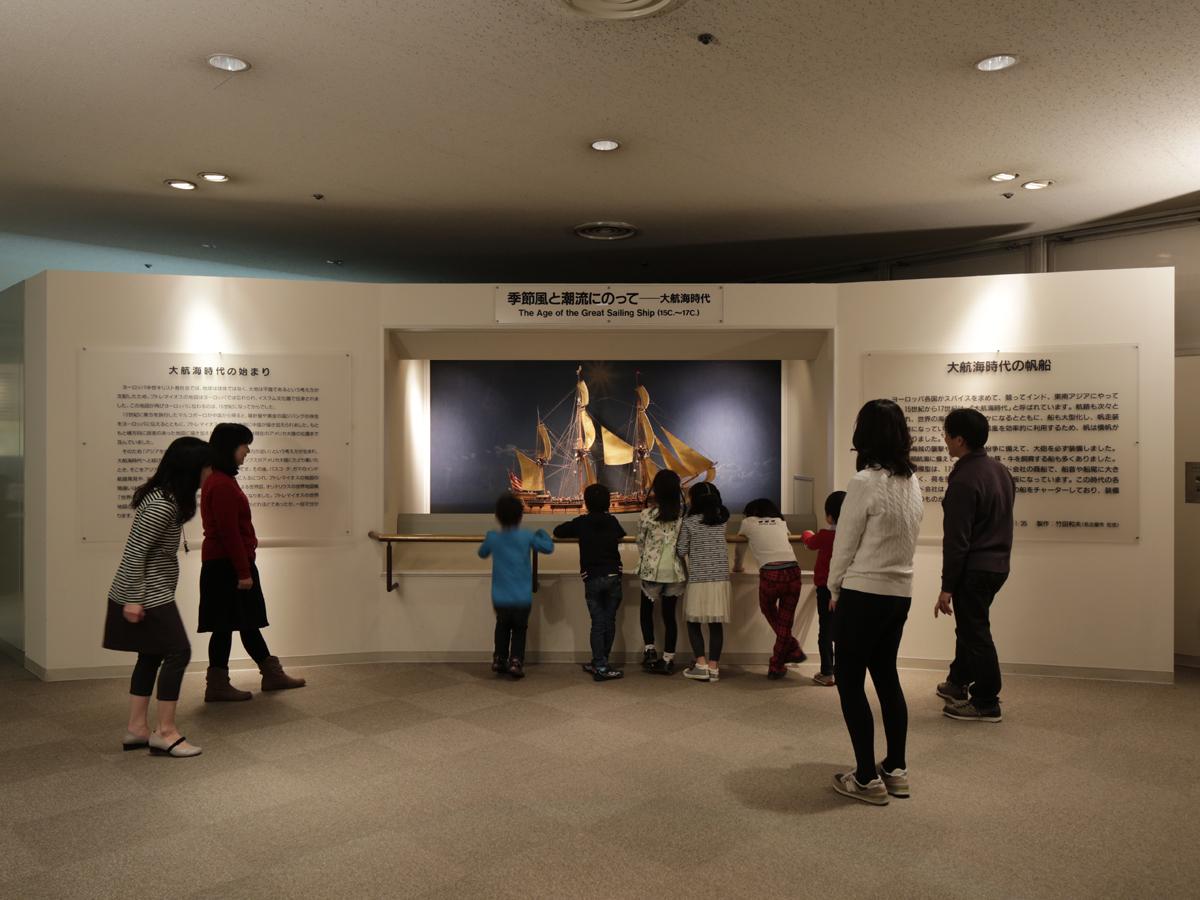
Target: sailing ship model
[(577, 468)]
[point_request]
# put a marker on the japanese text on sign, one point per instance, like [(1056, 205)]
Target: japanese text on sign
[(626, 304)]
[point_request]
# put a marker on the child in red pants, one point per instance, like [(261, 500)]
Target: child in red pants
[(822, 542), (778, 578)]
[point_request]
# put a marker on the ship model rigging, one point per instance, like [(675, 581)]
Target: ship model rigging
[(566, 460)]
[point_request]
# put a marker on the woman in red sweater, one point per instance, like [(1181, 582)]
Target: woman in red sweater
[(231, 597)]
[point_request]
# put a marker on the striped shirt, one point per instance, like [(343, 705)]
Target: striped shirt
[(149, 570), (706, 550)]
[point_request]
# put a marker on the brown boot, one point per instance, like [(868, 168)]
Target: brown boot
[(217, 688), (274, 678)]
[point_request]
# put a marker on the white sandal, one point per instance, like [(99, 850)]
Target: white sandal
[(159, 747)]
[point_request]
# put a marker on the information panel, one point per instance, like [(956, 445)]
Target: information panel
[(1065, 422), (589, 306), (297, 475)]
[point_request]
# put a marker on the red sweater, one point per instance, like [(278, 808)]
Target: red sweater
[(822, 542), (228, 531)]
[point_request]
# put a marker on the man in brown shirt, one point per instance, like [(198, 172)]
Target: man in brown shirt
[(977, 529)]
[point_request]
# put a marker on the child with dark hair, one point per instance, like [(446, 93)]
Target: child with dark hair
[(822, 542), (512, 582), (779, 579), (660, 570), (702, 541), (599, 535)]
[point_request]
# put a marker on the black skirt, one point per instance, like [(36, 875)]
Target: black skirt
[(222, 606), (160, 633)]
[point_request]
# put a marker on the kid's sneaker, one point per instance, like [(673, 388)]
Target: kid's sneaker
[(697, 673), (872, 792), (824, 680), (499, 664), (515, 669), (662, 667), (649, 658), (608, 674)]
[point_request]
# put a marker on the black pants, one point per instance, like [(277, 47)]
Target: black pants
[(603, 596), (670, 623), (824, 630), (512, 622), (170, 677), (867, 628), (975, 660), (716, 638), (221, 642)]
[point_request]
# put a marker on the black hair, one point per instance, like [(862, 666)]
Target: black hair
[(178, 474), (596, 498), (833, 505), (706, 503), (969, 424), (509, 511), (762, 508), (668, 495), (223, 443), (882, 438)]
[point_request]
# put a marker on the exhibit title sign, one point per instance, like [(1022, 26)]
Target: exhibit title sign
[(599, 306), (1065, 422), (297, 474)]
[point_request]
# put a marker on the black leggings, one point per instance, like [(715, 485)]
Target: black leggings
[(670, 624), (169, 679), (716, 636), (867, 632), (221, 642)]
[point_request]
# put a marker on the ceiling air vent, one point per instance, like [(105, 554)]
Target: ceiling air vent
[(606, 231), (621, 9)]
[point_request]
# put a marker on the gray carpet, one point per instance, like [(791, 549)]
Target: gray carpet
[(442, 781)]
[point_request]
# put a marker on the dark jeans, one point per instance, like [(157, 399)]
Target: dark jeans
[(603, 595), (512, 622), (716, 638), (169, 679), (221, 642), (825, 630), (867, 628), (670, 622), (975, 660)]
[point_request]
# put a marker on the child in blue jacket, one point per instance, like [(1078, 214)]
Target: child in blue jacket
[(512, 582)]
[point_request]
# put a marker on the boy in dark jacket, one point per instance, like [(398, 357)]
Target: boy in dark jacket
[(822, 542), (599, 535)]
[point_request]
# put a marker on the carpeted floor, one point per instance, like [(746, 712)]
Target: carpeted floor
[(442, 781)]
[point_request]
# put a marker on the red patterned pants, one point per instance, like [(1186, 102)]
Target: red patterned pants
[(778, 594)]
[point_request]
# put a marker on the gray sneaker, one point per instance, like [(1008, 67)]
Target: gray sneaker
[(873, 792), (697, 673), (952, 693), (896, 783), (967, 711)]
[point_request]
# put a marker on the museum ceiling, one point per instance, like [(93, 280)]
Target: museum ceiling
[(450, 140)]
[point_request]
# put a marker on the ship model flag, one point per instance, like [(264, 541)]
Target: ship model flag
[(577, 468)]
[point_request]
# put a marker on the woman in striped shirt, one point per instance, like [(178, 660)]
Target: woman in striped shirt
[(142, 615)]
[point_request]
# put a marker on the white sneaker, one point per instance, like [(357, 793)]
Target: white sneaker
[(895, 782), (873, 792), (697, 673)]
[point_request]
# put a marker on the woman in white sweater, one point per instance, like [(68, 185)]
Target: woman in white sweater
[(870, 578)]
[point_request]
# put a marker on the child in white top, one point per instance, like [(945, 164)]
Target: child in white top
[(779, 580)]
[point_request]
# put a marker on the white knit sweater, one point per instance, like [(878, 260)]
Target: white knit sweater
[(877, 534)]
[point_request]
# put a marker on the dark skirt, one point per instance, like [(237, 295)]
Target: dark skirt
[(222, 606), (160, 633)]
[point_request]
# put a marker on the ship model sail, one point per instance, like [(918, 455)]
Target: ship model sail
[(575, 446)]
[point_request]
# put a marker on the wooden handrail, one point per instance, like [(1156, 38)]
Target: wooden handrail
[(388, 539)]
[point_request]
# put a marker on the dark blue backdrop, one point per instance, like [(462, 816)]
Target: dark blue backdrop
[(480, 411)]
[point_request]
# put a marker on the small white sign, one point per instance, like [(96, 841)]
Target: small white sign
[(640, 305)]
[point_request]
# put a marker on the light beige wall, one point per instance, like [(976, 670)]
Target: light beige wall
[(1187, 515), (1099, 606)]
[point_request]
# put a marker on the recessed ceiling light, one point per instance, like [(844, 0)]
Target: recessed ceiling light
[(1005, 176), (606, 231), (227, 63), (179, 184), (996, 63), (217, 177), (1037, 185), (209, 246), (605, 145), (334, 262), (620, 9)]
